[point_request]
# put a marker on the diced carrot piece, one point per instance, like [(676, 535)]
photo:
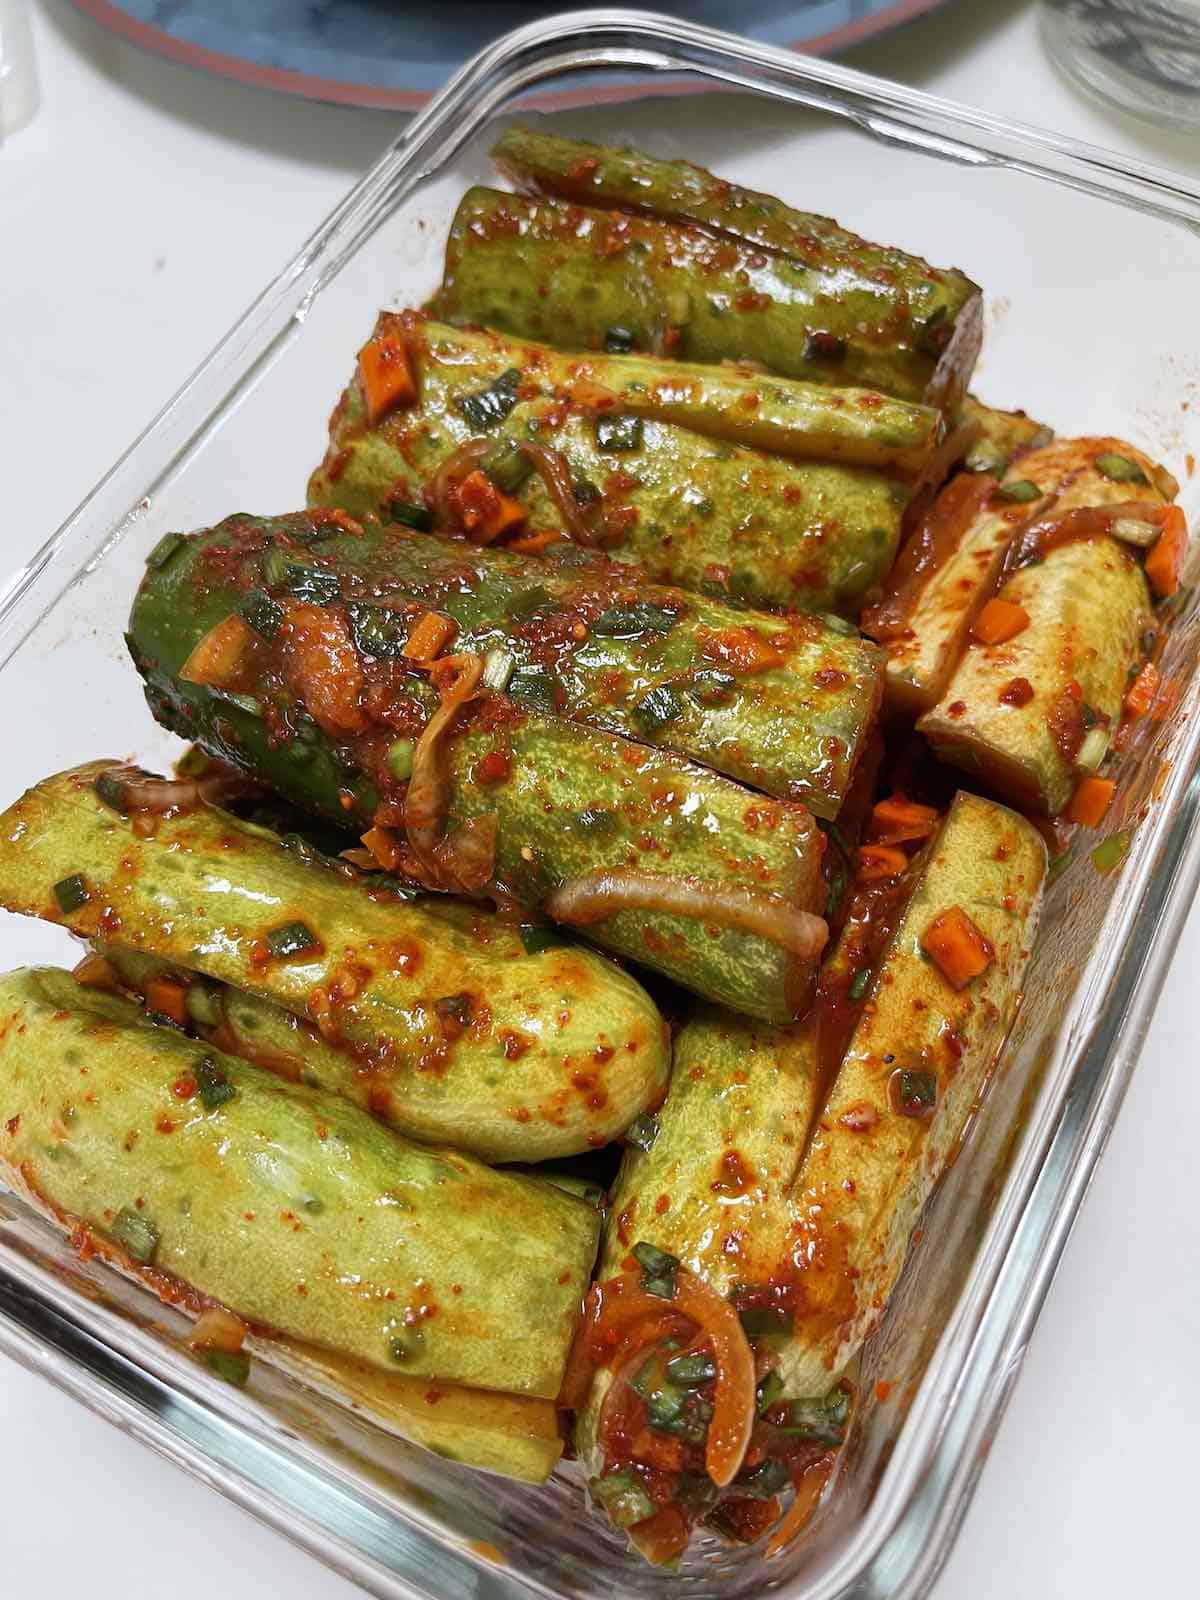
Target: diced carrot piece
[(387, 378), (1166, 557), (895, 820), (999, 621), (485, 511), (743, 649), (217, 660), (168, 996), (1141, 693), (1091, 800), (532, 544), (957, 947), (94, 972), (430, 635), (878, 861)]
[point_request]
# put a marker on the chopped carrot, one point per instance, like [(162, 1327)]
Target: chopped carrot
[(485, 511), (1091, 800), (879, 861), (94, 972), (218, 659), (895, 820), (1142, 692), (743, 649), (387, 378), (168, 996), (384, 847), (1166, 557), (430, 635), (999, 621), (532, 544), (957, 947)]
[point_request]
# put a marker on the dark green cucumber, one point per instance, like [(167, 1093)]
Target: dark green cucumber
[(291, 1207), (877, 315), (699, 509)]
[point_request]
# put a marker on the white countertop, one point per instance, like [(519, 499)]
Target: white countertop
[(119, 268)]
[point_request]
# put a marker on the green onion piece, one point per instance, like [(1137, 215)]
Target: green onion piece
[(619, 341), (622, 622), (985, 456), (642, 1131), (507, 465), (314, 585), (623, 1498), (1132, 530), (822, 1420), (1022, 490), (409, 515), (135, 1233), (244, 702), (213, 1086), (498, 669), (768, 1393), (400, 759), (766, 1322), (273, 568), (659, 1270), (692, 1371), (1093, 749), (709, 687), (1109, 854), (914, 1094), (204, 1003), (232, 1365), (539, 937), (533, 689), (619, 433), (658, 707), (683, 1413), (762, 1482), (71, 893), (1119, 469), (530, 601), (291, 939), (262, 613), (458, 1008), (487, 408), (860, 983), (377, 630), (164, 550)]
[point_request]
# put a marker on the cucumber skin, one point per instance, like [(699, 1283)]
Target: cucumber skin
[(205, 891), (294, 1209)]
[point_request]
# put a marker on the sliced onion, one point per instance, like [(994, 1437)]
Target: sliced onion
[(551, 466), (457, 465), (601, 893), (142, 791), (428, 789)]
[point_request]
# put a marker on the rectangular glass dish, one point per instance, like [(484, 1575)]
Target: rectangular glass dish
[(1089, 265)]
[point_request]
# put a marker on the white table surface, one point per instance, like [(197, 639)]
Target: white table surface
[(139, 214)]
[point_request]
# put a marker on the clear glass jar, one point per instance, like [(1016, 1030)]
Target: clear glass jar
[(1142, 56)]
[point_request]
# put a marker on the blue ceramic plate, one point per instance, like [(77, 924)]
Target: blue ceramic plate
[(386, 53)]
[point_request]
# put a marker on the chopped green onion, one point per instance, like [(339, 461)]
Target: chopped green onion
[(530, 601), (680, 1412), (985, 456), (214, 1087), (822, 1420), (409, 515), (692, 1371), (1109, 854), (533, 689), (273, 568), (659, 1270), (498, 669), (642, 1131), (164, 550), (539, 937), (1119, 469), (619, 341), (1132, 530), (400, 759), (766, 1322), (291, 939), (1093, 749), (624, 1499), (658, 707), (314, 585), (232, 1365), (262, 613), (860, 983), (768, 1393), (762, 1482), (377, 630), (71, 893), (619, 433), (507, 465), (136, 1234), (709, 687), (487, 408), (204, 1003), (620, 622), (1022, 490), (914, 1094)]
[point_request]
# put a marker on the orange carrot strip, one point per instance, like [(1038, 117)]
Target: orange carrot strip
[(1166, 557), (896, 819), (999, 621), (1091, 800), (217, 660), (168, 995), (879, 861), (810, 1486), (1141, 693), (387, 378), (957, 947), (733, 1391), (743, 649), (429, 636), (485, 511)]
